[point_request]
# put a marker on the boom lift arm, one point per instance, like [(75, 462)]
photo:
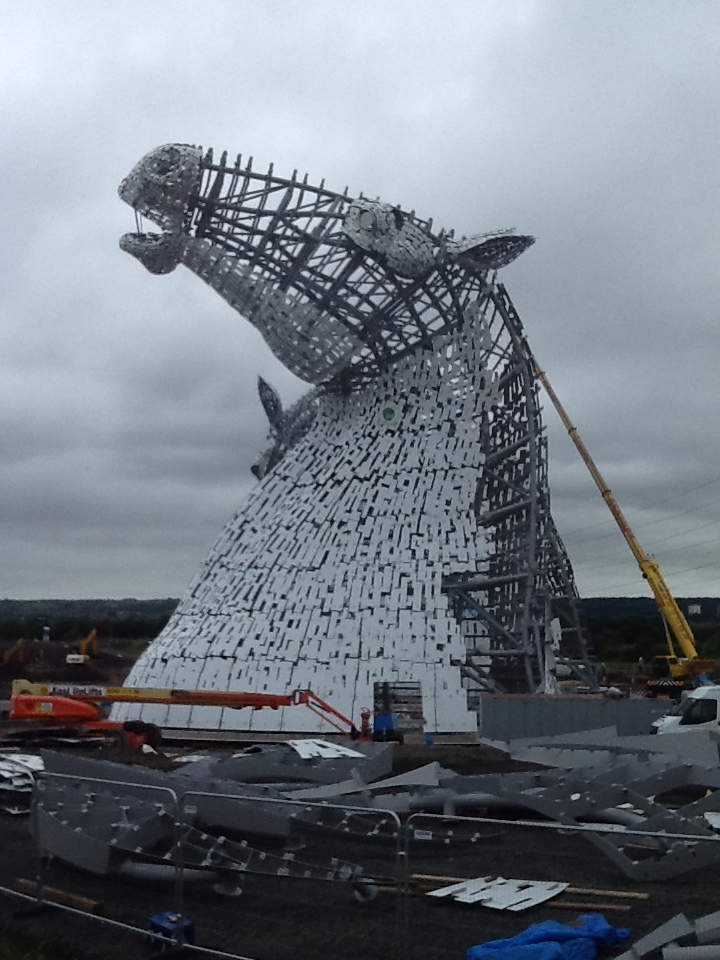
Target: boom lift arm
[(64, 703), (675, 623)]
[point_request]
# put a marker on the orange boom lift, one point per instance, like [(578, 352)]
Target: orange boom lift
[(80, 710)]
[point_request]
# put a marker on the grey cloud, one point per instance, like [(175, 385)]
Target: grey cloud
[(128, 410)]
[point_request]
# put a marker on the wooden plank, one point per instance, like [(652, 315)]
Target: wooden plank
[(63, 897), (627, 894), (434, 877), (580, 905)]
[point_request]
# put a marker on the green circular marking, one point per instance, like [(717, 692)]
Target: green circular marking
[(388, 413)]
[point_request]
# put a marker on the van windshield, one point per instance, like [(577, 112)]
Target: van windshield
[(697, 711)]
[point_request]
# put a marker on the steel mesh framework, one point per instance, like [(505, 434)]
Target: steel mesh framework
[(412, 347)]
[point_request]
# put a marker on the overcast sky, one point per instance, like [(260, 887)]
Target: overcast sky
[(128, 407)]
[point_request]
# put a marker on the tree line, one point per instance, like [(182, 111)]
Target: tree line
[(71, 620), (620, 629)]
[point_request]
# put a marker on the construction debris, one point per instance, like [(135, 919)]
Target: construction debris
[(103, 832), (498, 893), (17, 772), (678, 929), (707, 928), (709, 952), (321, 748), (611, 798), (679, 939)]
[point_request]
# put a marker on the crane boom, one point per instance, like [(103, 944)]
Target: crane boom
[(674, 618)]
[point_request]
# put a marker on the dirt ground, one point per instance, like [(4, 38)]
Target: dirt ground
[(278, 918)]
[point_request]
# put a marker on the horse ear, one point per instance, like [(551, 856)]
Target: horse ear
[(488, 251), (272, 405)]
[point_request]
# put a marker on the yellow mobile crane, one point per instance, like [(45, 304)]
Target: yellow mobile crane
[(682, 670)]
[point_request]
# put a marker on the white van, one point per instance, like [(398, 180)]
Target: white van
[(698, 710)]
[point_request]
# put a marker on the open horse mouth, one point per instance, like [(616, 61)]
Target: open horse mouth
[(160, 189)]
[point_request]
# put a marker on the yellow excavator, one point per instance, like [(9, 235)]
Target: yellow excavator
[(17, 653), (88, 646), (682, 670)]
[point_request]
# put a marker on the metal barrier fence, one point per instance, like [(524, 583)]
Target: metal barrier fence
[(338, 880), (515, 716), (323, 878)]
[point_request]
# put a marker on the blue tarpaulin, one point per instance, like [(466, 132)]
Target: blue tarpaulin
[(554, 941)]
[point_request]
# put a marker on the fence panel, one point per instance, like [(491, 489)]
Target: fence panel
[(324, 883), (256, 877), (84, 830), (517, 716)]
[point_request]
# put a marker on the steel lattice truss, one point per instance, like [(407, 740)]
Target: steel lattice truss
[(527, 580), (370, 305)]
